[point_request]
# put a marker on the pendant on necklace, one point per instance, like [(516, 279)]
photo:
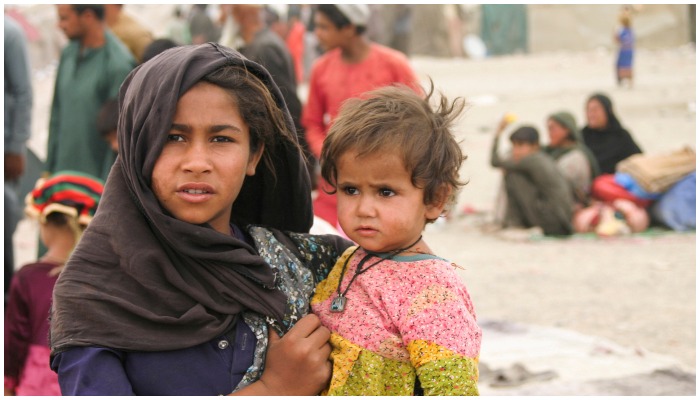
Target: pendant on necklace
[(338, 304)]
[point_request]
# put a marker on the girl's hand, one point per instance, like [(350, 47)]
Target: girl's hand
[(296, 364)]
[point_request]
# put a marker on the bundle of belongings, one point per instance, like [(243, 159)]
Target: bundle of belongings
[(662, 184)]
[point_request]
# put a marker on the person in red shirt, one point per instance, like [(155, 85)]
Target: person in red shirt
[(351, 66)]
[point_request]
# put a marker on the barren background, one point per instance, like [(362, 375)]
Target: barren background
[(637, 291)]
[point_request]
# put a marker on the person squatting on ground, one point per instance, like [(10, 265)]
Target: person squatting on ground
[(351, 66), (401, 319), (190, 270), (537, 193), (64, 204)]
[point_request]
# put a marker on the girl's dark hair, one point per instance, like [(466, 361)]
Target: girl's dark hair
[(337, 18), (266, 121), (395, 118)]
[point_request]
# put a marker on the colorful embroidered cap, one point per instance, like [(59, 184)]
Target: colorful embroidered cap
[(69, 192)]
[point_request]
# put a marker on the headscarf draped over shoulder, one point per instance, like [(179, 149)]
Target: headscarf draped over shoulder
[(142, 280), (568, 121), (611, 144)]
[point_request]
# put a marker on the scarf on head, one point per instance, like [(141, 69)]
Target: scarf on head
[(142, 280), (569, 122), (611, 144)]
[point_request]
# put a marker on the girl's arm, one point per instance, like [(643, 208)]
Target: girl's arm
[(91, 371)]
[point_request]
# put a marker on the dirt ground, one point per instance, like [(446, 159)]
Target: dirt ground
[(637, 291)]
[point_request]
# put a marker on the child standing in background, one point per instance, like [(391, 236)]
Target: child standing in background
[(624, 37), (63, 204), (401, 319)]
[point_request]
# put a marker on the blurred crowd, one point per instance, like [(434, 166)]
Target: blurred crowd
[(593, 178)]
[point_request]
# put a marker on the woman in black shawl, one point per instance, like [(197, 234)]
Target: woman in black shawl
[(190, 258), (605, 136)]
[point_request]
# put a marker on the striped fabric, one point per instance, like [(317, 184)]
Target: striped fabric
[(70, 192)]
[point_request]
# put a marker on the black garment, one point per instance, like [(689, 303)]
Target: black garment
[(142, 280), (612, 144)]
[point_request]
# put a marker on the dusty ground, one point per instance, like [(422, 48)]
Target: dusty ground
[(638, 292)]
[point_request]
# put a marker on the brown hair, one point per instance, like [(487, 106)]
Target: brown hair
[(266, 121), (395, 117)]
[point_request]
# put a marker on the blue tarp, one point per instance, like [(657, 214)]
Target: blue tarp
[(676, 208)]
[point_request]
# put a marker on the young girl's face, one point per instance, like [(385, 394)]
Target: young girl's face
[(378, 206), (206, 158)]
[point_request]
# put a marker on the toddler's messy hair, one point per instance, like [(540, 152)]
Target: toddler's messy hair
[(395, 118)]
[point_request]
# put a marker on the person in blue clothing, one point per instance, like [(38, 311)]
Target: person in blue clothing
[(624, 37), (195, 275)]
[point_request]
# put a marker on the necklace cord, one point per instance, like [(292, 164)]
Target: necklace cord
[(359, 271)]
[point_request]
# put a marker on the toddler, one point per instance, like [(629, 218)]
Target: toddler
[(401, 319)]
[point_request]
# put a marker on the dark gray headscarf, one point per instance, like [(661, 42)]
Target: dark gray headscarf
[(142, 280)]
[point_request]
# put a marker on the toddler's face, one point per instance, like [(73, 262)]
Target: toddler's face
[(378, 206)]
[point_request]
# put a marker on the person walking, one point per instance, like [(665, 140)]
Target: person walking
[(624, 37)]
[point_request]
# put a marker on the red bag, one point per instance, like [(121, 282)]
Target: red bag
[(605, 188)]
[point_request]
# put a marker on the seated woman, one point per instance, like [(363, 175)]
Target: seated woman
[(609, 142), (191, 270), (574, 159)]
